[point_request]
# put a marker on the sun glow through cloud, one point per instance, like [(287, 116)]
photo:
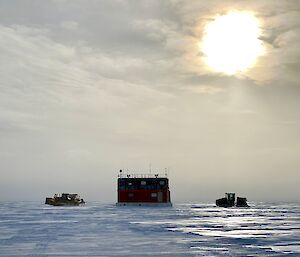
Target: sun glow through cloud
[(231, 42)]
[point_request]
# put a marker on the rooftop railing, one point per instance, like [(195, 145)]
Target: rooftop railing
[(140, 175)]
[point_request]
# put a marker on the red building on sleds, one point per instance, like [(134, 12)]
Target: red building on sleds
[(143, 189)]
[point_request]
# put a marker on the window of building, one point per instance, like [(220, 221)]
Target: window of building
[(143, 183), (162, 182), (153, 194), (122, 185), (130, 194)]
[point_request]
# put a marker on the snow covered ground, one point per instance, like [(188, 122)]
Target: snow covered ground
[(34, 229)]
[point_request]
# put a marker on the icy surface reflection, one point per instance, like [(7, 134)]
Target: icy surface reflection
[(34, 229)]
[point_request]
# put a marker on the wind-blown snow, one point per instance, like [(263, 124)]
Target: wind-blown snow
[(35, 229)]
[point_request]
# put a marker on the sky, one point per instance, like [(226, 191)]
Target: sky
[(91, 87)]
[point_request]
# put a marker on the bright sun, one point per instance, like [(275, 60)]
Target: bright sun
[(231, 42)]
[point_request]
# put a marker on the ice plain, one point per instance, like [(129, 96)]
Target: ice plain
[(33, 229)]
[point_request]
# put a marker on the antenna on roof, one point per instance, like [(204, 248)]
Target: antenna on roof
[(150, 167), (120, 174)]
